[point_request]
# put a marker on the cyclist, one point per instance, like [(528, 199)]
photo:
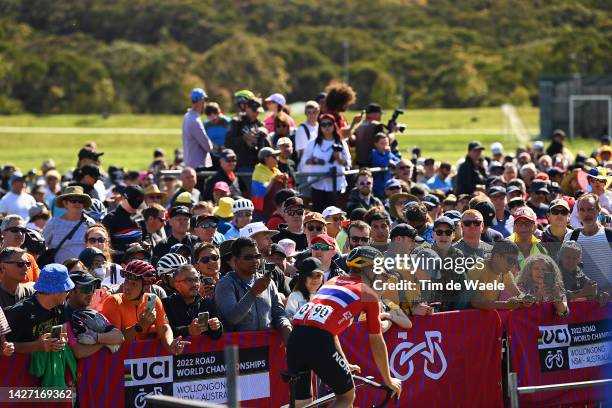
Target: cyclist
[(318, 323)]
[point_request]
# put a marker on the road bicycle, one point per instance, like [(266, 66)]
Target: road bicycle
[(360, 381)]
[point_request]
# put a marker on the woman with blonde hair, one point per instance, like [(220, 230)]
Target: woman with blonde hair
[(542, 279), (97, 236)]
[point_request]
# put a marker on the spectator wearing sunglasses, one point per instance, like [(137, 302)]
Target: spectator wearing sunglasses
[(361, 196), (205, 229), (74, 200), (13, 236), (499, 267), (247, 300), (207, 261), (557, 228), (83, 340), (153, 231), (293, 213), (323, 247), (444, 231), (471, 245), (284, 130), (598, 181), (182, 308), (242, 208), (97, 237), (14, 265)]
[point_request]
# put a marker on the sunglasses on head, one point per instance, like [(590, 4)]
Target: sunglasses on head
[(20, 264), (555, 211), (448, 233), (16, 230), (365, 240), (251, 257), (469, 223), (207, 259), (321, 247), (208, 224), (326, 124), (293, 213), (317, 228), (93, 240)]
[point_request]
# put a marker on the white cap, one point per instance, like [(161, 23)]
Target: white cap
[(253, 228), (288, 246), (278, 98), (497, 148), (538, 145), (332, 211)]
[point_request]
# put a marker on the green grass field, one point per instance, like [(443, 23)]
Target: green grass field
[(27, 150)]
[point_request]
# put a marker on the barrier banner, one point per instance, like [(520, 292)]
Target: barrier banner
[(448, 359), (142, 368), (548, 349)]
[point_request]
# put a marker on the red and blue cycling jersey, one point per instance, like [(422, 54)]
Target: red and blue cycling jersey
[(337, 303)]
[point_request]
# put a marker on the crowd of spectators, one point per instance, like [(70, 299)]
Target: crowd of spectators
[(114, 256)]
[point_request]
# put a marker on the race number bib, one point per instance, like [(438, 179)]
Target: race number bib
[(302, 311), (320, 313)]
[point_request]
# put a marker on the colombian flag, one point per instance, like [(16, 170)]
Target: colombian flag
[(259, 184)]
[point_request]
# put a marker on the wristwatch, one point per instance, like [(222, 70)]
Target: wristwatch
[(138, 328)]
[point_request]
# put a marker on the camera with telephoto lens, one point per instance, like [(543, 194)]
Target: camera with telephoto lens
[(392, 123)]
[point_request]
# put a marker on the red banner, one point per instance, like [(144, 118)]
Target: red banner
[(448, 359), (548, 349), (142, 368)]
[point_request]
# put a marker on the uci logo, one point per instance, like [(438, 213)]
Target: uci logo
[(142, 371), (554, 336)]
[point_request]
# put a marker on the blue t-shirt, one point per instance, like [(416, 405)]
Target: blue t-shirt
[(216, 131)]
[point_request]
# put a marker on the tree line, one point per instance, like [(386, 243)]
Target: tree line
[(127, 56)]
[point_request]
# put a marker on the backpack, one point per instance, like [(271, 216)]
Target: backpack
[(577, 231)]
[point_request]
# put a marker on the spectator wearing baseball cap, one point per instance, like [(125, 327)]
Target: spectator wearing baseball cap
[(123, 223), (17, 200), (266, 181), (41, 310), (314, 224), (471, 175), (262, 236), (196, 144), (277, 218), (334, 216), (309, 280), (206, 228), (225, 173), (404, 240), (486, 208), (444, 230), (525, 225), (503, 222), (323, 247), (538, 190), (179, 219), (287, 158), (276, 103), (557, 228), (294, 215)]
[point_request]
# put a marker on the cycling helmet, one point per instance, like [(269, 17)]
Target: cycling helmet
[(34, 242), (362, 257), (242, 204), (97, 211), (88, 319), (145, 270), (170, 263), (243, 96)]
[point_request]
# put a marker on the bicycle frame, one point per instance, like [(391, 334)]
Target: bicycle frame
[(369, 381)]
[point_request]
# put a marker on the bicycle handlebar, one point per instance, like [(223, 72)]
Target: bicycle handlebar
[(370, 381)]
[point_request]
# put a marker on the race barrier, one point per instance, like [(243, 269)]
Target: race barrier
[(143, 368), (451, 359), (448, 359), (547, 349)]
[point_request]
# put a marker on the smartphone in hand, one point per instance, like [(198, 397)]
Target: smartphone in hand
[(203, 318), (56, 332)]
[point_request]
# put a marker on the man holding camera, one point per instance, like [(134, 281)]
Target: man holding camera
[(364, 134), (247, 135), (246, 299), (189, 314)]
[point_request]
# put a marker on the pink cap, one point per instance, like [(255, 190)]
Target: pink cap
[(222, 186), (524, 212)]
